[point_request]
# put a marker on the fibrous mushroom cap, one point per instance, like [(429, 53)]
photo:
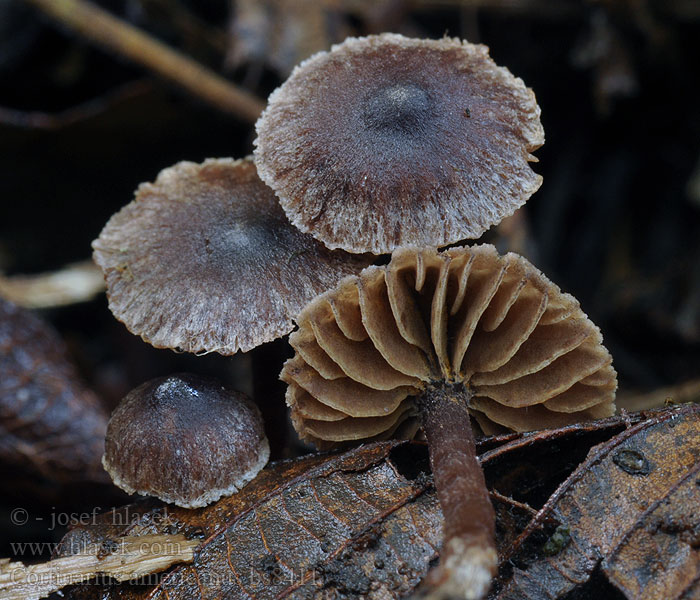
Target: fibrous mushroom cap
[(185, 440), (387, 141), (204, 260), (524, 351)]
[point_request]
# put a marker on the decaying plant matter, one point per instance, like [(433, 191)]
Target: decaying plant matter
[(51, 424), (367, 521), (609, 513), (386, 143), (124, 558)]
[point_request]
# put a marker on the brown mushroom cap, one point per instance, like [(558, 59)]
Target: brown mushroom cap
[(186, 440), (526, 353), (204, 260), (388, 141)]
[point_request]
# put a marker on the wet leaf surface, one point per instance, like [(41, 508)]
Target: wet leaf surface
[(320, 523), (367, 522), (630, 509)]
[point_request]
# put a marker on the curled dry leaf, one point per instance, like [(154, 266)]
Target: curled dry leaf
[(282, 33), (50, 423), (364, 522), (630, 509)]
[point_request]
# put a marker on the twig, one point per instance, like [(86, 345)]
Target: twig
[(123, 559), (78, 282), (112, 33), (75, 114), (495, 494)]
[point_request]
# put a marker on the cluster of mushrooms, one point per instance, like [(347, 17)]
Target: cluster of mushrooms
[(383, 145)]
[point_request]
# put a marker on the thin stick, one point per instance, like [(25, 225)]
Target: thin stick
[(112, 33), (77, 282), (123, 559), (85, 110)]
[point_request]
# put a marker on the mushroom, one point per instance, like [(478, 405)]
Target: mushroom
[(186, 440), (204, 260), (387, 141), (430, 339)]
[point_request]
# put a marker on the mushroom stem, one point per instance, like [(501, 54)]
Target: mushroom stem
[(468, 558)]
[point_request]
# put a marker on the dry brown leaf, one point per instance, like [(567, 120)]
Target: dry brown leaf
[(51, 425), (366, 522), (345, 523), (659, 558), (630, 510)]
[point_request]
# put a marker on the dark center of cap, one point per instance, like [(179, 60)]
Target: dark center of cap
[(247, 239), (400, 108)]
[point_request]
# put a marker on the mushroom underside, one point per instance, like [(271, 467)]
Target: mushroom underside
[(524, 353)]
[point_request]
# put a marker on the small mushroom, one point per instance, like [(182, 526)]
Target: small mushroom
[(186, 440), (204, 260), (430, 339), (388, 141)]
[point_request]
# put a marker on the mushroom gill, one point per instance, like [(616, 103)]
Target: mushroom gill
[(525, 352), (430, 339)]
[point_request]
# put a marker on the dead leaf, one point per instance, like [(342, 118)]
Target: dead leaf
[(282, 33), (366, 522), (51, 425), (630, 509), (350, 523), (659, 556)]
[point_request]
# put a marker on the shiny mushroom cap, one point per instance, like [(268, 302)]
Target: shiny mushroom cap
[(524, 353), (186, 440), (204, 260), (388, 141)]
